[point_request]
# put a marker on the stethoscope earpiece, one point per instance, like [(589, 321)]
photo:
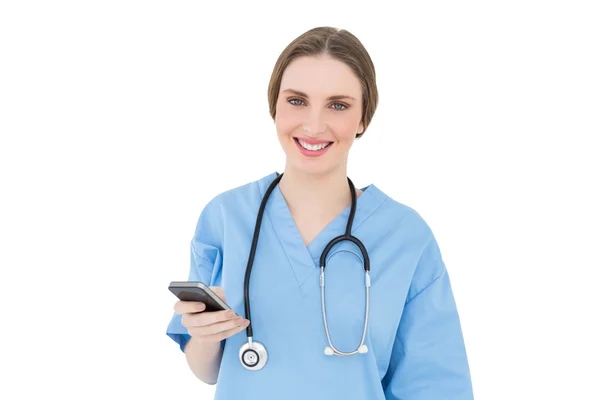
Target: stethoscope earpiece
[(362, 349)]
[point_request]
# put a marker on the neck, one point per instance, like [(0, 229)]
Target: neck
[(316, 194)]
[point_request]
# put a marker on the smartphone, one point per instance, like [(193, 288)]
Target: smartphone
[(198, 291)]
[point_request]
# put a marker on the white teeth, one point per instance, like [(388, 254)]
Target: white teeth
[(313, 147)]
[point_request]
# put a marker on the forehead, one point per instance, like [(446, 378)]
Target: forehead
[(320, 77)]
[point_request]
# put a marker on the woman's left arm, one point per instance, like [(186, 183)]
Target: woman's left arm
[(429, 359)]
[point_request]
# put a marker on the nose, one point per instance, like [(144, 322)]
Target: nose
[(314, 124)]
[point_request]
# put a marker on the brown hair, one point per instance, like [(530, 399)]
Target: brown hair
[(336, 43)]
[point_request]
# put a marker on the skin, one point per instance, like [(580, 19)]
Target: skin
[(338, 121), (316, 188)]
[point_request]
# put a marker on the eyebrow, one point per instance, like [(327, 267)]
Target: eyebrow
[(336, 97)]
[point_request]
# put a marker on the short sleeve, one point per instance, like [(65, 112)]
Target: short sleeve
[(429, 359), (205, 262)]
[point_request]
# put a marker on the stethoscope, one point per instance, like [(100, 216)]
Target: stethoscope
[(253, 355)]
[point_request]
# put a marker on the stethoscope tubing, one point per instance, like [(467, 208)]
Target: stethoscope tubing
[(346, 236)]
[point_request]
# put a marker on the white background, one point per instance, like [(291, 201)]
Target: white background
[(119, 120)]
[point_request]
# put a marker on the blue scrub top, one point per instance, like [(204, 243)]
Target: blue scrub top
[(414, 337)]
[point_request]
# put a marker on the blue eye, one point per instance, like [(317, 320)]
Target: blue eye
[(343, 106)]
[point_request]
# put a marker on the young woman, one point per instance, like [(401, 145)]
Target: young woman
[(369, 315)]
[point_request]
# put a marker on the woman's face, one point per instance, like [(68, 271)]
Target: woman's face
[(305, 102)]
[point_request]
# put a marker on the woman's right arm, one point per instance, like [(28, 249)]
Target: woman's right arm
[(207, 330), (204, 359)]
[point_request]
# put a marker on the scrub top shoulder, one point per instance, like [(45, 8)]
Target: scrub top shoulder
[(414, 337)]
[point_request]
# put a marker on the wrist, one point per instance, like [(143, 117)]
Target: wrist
[(207, 347)]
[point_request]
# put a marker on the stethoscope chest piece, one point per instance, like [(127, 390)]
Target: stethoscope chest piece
[(253, 355)]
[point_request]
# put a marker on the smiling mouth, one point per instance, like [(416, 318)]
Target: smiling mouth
[(312, 147)]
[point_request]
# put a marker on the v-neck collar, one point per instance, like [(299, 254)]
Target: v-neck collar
[(304, 259)]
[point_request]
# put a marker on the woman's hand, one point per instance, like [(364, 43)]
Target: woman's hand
[(209, 326)]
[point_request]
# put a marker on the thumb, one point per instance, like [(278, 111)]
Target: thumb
[(218, 291)]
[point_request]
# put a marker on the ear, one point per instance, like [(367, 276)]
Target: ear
[(361, 129)]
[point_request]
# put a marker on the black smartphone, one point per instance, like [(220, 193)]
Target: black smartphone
[(198, 291)]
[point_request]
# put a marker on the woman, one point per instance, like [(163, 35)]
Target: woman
[(322, 97)]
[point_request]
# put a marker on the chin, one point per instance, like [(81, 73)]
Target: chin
[(312, 167)]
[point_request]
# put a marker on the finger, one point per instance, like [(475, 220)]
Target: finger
[(208, 318), (218, 291), (211, 329), (217, 337), (183, 307)]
